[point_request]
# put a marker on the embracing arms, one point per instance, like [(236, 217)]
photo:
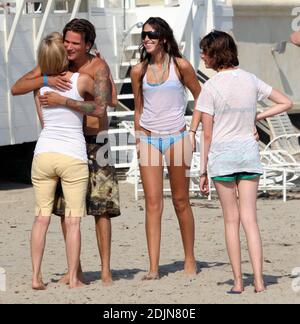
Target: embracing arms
[(34, 80), (102, 91)]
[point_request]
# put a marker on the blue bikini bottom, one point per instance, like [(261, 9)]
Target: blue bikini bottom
[(163, 142)]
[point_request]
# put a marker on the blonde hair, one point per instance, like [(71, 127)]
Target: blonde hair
[(52, 56)]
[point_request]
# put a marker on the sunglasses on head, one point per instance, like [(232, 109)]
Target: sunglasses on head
[(151, 34)]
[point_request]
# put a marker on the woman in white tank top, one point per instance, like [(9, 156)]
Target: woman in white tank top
[(159, 83), (231, 153), (60, 153)]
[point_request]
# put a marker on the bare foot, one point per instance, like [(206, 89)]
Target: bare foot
[(151, 276), (106, 279), (259, 287), (65, 279), (190, 268), (76, 284), (238, 287), (38, 285)]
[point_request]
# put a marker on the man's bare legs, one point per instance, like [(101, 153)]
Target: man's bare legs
[(227, 192), (38, 241), (65, 279), (103, 233), (248, 212), (151, 170), (179, 159)]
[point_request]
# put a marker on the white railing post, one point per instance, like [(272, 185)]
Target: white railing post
[(38, 38), (132, 4), (284, 186), (196, 33), (11, 34), (210, 16), (8, 39), (179, 29), (75, 9)]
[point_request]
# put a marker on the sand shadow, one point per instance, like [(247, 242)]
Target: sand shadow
[(248, 279), (93, 276), (89, 277), (130, 274), (177, 266), (125, 274)]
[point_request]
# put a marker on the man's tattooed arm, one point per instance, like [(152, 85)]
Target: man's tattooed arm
[(102, 95), (100, 88)]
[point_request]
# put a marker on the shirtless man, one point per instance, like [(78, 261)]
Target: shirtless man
[(103, 191)]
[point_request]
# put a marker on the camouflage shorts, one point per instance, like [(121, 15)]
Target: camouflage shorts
[(103, 189)]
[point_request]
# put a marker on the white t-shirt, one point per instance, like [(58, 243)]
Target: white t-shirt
[(62, 132), (231, 97)]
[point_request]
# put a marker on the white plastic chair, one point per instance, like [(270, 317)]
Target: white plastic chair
[(281, 171)]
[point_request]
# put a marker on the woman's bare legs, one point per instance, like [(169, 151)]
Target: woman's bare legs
[(38, 241), (179, 159), (247, 200), (73, 246), (151, 170), (65, 279), (103, 233), (227, 192)]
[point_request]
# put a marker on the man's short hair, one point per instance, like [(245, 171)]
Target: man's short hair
[(83, 27)]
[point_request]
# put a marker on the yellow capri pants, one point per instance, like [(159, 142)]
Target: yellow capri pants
[(47, 168)]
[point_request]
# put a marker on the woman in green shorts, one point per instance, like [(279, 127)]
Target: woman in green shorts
[(228, 106)]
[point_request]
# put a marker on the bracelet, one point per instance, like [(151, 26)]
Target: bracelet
[(203, 174), (45, 77), (191, 130)]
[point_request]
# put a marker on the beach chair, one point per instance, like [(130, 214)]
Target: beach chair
[(284, 135), (281, 170)]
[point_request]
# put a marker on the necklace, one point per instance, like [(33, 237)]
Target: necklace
[(155, 71)]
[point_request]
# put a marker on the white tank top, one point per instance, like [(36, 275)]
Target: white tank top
[(164, 104), (62, 132)]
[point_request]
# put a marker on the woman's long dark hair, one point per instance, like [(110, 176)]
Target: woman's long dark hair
[(170, 45)]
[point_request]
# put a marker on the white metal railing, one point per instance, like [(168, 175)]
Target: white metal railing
[(20, 4), (129, 148), (133, 3)]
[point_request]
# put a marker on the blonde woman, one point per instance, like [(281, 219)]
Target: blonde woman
[(60, 153)]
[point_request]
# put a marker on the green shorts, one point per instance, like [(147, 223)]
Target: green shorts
[(237, 176)]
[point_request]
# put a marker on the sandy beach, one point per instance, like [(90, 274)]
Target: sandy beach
[(279, 223)]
